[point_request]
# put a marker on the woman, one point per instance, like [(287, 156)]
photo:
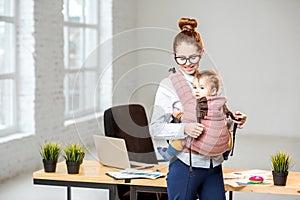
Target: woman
[(206, 179)]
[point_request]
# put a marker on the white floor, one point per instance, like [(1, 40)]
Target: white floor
[(250, 152)]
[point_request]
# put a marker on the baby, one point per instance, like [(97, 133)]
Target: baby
[(206, 83)]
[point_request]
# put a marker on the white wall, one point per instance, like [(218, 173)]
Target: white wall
[(255, 46), (124, 46)]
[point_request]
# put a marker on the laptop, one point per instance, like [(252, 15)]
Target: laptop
[(112, 152)]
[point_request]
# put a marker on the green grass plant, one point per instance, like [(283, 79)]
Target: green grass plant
[(281, 162), (74, 152), (50, 150)]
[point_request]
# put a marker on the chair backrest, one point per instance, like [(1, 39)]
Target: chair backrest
[(130, 123)]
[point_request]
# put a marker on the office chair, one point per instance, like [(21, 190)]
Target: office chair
[(130, 123)]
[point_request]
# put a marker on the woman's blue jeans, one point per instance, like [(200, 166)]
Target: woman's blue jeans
[(207, 183)]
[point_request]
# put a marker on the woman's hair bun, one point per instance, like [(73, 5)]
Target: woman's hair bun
[(187, 24)]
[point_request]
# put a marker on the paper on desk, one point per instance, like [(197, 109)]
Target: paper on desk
[(241, 178), (235, 183), (133, 173)]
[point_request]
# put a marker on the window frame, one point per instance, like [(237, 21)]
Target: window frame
[(82, 70), (12, 75)]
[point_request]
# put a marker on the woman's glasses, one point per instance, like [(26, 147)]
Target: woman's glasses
[(182, 60)]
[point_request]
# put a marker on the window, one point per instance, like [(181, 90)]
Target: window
[(8, 67), (81, 56)]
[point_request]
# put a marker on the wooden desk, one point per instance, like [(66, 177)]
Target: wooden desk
[(292, 187), (92, 175), (159, 185)]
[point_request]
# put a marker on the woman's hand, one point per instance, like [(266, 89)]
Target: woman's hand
[(242, 117), (193, 129)]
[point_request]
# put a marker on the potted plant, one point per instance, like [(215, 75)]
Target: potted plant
[(74, 154), (50, 152), (281, 163)]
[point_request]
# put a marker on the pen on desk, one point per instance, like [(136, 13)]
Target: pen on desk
[(145, 167)]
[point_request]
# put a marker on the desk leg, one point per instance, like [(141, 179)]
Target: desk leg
[(69, 193), (133, 193), (230, 195), (112, 192)]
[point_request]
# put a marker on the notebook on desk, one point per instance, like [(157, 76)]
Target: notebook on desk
[(112, 152)]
